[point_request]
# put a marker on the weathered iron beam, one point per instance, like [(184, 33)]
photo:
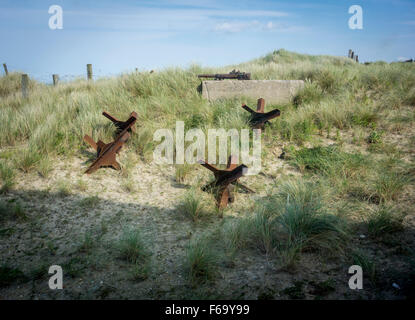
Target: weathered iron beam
[(121, 125), (224, 182), (259, 118), (106, 153)]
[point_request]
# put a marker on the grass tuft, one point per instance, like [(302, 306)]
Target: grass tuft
[(201, 261), (191, 205), (132, 246), (384, 220)]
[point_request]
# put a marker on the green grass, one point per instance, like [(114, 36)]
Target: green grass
[(384, 220), (63, 187), (390, 184), (182, 171), (289, 222), (192, 206), (201, 261), (328, 161), (339, 94), (309, 214), (89, 202), (360, 258), (132, 246), (7, 176), (11, 211), (295, 292), (10, 275), (87, 243)]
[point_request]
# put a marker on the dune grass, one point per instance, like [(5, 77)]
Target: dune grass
[(289, 222), (338, 94), (308, 214), (201, 261)]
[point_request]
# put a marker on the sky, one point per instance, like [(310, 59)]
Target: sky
[(119, 36)]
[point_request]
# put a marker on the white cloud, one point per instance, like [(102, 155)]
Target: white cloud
[(234, 27)]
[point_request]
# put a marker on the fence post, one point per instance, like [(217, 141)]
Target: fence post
[(55, 78), (350, 53), (89, 71), (5, 69), (357, 58), (25, 85)]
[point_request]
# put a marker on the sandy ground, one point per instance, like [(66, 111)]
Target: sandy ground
[(58, 220)]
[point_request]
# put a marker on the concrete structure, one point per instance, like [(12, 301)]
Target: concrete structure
[(273, 91)]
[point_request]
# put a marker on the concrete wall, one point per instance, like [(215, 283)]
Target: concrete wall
[(273, 91)]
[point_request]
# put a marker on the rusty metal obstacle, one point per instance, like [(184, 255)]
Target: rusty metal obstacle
[(225, 181), (259, 118), (106, 152), (234, 74), (121, 125)]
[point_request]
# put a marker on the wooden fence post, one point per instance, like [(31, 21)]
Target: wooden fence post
[(89, 71), (55, 78), (25, 85), (357, 58), (5, 69), (350, 53)]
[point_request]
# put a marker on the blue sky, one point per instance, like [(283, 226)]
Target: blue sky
[(118, 36)]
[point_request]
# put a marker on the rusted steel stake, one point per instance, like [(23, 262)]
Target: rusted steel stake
[(106, 153), (225, 180), (121, 125), (259, 118)]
